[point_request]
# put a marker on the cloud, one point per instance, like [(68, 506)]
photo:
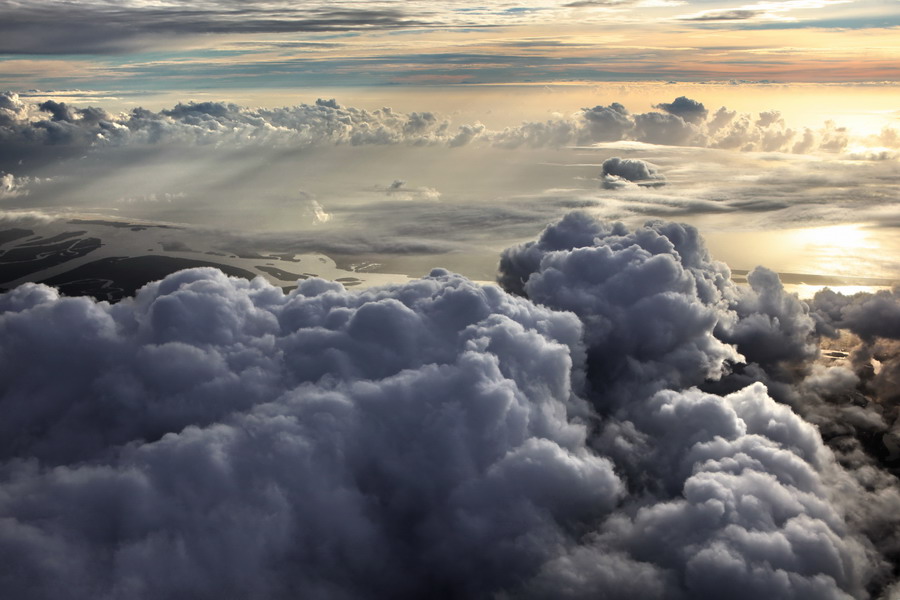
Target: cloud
[(319, 214), (45, 132), (589, 3), (636, 363), (724, 15), (400, 191), (215, 124), (865, 314), (666, 129), (215, 436), (649, 299), (659, 311), (729, 477), (689, 110), (616, 171), (607, 123), (368, 443), (54, 27), (12, 186), (773, 326), (768, 11), (875, 356), (683, 122)]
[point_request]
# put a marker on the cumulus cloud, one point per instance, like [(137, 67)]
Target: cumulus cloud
[(682, 122), (659, 311), (214, 436), (52, 129), (56, 124), (734, 340), (867, 315), (666, 129), (773, 327), (319, 214), (689, 110), (386, 443), (656, 307), (11, 186), (875, 319), (607, 123), (617, 171)]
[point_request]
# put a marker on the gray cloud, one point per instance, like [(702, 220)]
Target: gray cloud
[(867, 315), (773, 327), (630, 355), (311, 423), (724, 15), (689, 110), (683, 122), (657, 308), (62, 130), (41, 133), (93, 27), (215, 436), (617, 171), (666, 129), (587, 3), (875, 358)]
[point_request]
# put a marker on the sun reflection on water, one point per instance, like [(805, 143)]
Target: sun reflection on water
[(847, 258), (840, 250)]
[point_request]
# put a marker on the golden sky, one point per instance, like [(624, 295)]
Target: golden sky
[(151, 46)]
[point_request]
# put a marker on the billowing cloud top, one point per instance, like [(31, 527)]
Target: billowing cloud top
[(214, 436)]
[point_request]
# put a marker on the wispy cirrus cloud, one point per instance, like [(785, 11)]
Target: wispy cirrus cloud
[(767, 11), (53, 27)]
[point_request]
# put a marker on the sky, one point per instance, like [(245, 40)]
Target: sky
[(152, 46), (391, 299), (827, 68)]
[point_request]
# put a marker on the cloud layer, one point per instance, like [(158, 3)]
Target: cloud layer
[(42, 129), (216, 436)]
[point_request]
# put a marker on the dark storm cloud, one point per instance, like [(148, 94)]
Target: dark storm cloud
[(96, 28), (214, 436)]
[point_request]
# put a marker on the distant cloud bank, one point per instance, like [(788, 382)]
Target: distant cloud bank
[(25, 127)]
